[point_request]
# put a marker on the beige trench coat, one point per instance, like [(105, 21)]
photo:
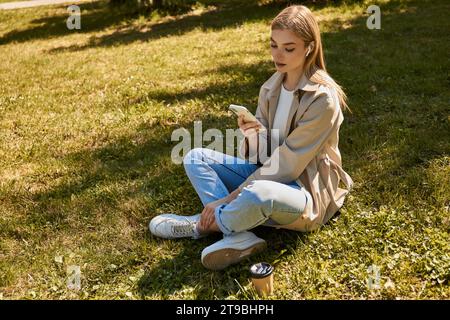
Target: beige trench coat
[(309, 154)]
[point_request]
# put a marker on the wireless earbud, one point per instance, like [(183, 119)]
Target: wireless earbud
[(309, 51)]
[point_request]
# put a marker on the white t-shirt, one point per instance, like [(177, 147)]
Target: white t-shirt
[(279, 122), (282, 113)]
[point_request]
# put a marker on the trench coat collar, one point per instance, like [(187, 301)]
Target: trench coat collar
[(273, 85), (275, 81)]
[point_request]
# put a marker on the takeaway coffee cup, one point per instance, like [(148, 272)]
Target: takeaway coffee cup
[(262, 278)]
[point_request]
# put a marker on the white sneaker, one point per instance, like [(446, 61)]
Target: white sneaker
[(173, 226), (232, 249)]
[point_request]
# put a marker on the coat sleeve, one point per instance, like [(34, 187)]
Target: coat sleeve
[(247, 150), (288, 161)]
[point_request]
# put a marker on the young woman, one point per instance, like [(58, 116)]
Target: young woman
[(295, 184)]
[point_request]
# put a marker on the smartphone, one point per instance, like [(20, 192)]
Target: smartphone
[(248, 116), (241, 110)]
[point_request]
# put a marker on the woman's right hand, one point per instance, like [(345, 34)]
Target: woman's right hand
[(248, 129)]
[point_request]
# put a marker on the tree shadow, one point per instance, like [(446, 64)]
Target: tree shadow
[(217, 19), (120, 161), (409, 154), (133, 160), (232, 92), (388, 95), (95, 16), (182, 271)]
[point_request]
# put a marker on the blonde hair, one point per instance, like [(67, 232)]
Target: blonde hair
[(300, 20)]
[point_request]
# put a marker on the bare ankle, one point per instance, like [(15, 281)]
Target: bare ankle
[(200, 230), (212, 228)]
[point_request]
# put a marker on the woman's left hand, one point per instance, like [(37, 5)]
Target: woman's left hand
[(207, 216)]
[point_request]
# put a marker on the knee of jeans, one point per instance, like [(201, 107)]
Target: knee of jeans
[(196, 153), (258, 193), (262, 189)]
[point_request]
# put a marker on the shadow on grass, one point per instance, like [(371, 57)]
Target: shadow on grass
[(98, 16), (128, 159), (183, 272), (95, 16), (409, 151), (232, 92), (208, 21), (122, 160)]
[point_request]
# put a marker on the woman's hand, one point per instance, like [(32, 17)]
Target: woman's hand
[(248, 129), (207, 215)]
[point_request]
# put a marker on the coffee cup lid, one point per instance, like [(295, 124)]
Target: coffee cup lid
[(261, 270)]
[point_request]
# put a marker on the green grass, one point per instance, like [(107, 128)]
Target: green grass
[(85, 127), (4, 1)]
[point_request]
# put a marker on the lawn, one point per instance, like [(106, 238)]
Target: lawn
[(4, 1), (85, 142)]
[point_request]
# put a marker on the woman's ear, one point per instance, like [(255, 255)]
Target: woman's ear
[(310, 48), (307, 52)]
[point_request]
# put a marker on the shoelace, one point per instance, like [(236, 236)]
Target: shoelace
[(183, 229)]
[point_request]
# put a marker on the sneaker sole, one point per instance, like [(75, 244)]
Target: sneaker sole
[(221, 259)]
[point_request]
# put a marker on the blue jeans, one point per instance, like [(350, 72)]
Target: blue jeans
[(214, 175)]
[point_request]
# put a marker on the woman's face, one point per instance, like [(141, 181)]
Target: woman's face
[(288, 50)]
